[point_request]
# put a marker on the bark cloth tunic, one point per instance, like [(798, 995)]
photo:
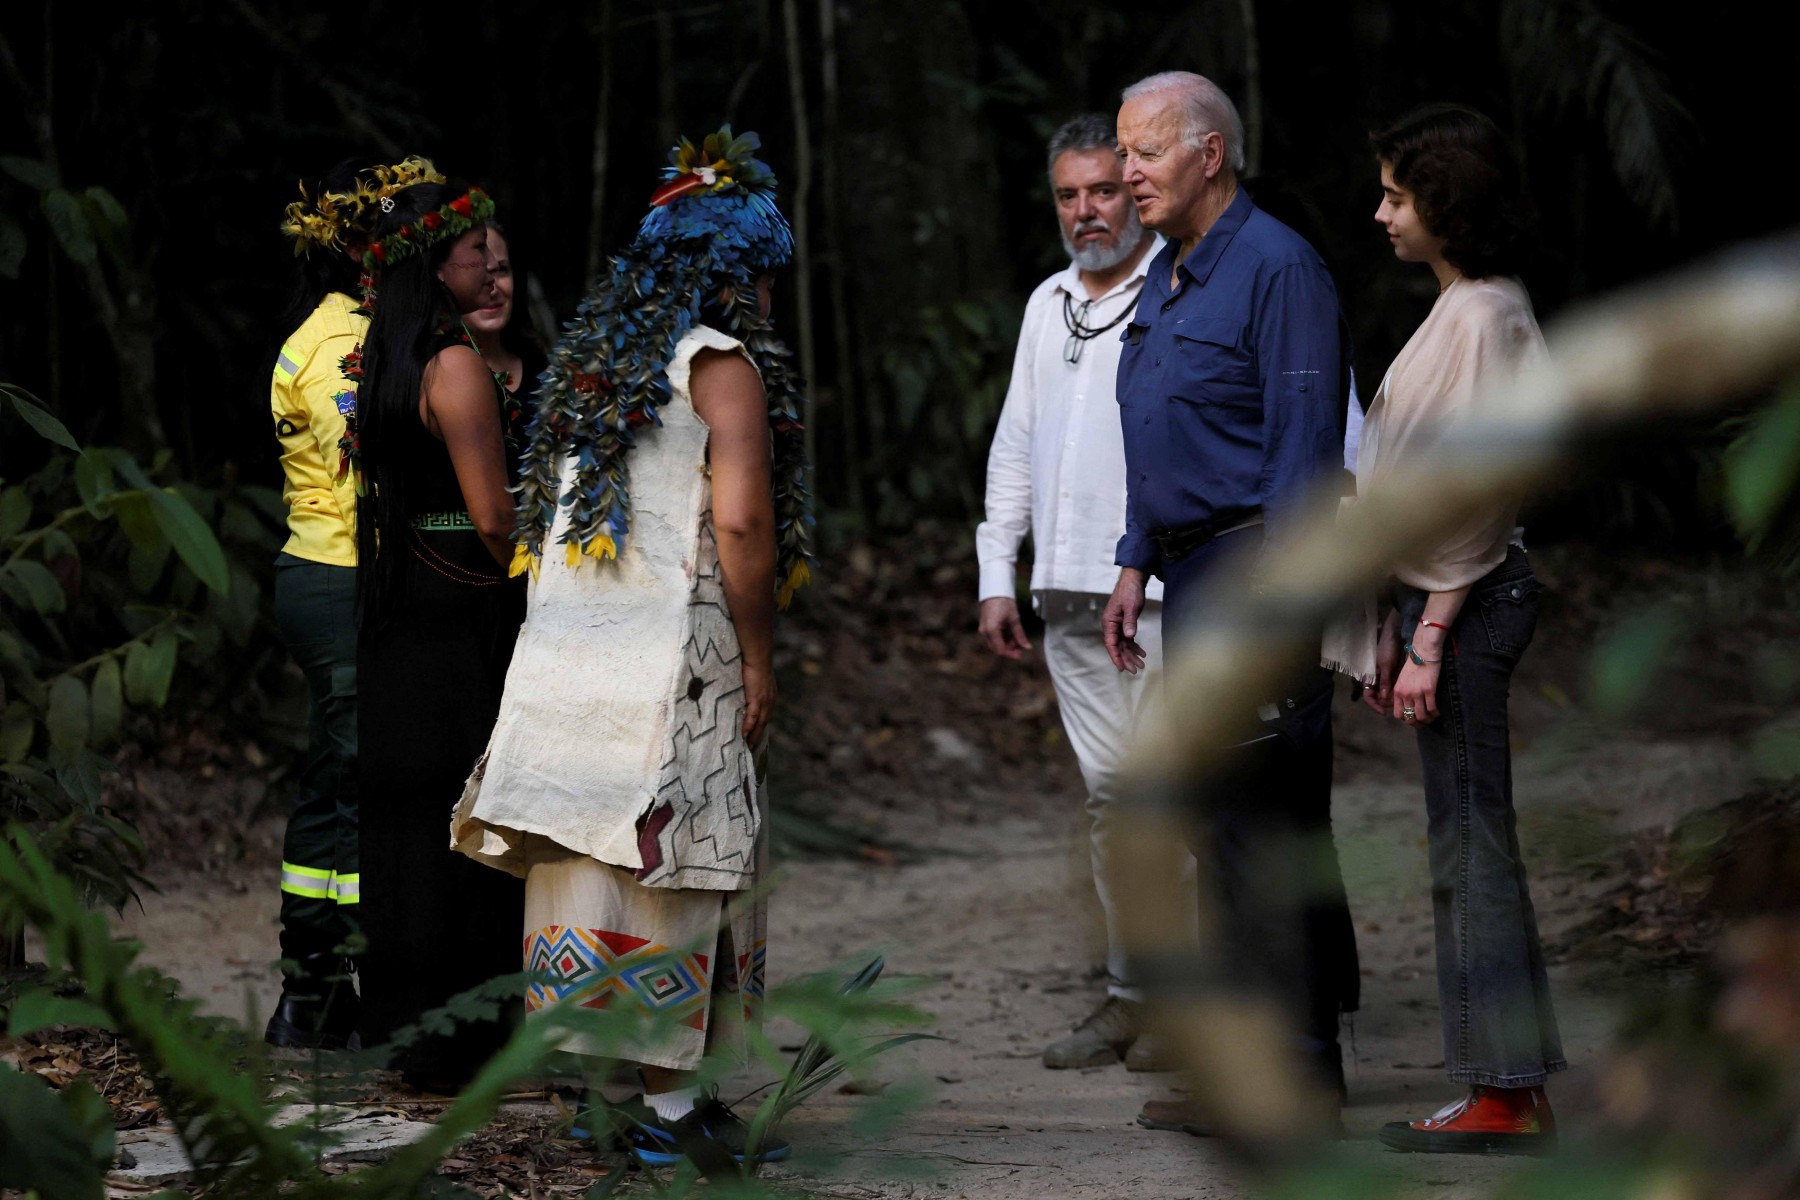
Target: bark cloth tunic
[(618, 782)]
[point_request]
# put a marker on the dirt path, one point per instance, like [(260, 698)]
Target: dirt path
[(995, 929)]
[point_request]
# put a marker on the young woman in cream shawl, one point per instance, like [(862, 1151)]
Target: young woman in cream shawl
[(1462, 614)]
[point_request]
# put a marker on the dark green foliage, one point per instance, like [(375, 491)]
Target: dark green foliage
[(947, 383), (1762, 466), (105, 578), (57, 1144), (222, 1112)]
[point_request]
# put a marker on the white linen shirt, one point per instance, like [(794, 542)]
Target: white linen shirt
[(1057, 464)]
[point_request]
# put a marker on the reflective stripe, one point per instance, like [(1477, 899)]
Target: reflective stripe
[(285, 367), (346, 889), (305, 881)]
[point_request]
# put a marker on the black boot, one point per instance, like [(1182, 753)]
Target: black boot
[(319, 1007)]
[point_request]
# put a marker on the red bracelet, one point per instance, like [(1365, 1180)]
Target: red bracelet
[(1446, 629)]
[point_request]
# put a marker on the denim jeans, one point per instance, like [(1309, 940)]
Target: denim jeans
[(1499, 1028)]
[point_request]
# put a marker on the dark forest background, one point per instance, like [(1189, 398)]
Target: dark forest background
[(908, 135)]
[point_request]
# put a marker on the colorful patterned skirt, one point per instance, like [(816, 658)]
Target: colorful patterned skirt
[(597, 938)]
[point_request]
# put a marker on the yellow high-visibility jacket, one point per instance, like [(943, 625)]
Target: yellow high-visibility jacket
[(310, 398)]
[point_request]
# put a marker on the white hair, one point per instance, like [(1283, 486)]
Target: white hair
[(1204, 109)]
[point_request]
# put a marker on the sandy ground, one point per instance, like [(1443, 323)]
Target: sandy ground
[(997, 928)]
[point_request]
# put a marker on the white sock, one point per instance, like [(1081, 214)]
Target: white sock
[(672, 1106)]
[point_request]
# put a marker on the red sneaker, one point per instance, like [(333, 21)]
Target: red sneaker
[(1489, 1120)]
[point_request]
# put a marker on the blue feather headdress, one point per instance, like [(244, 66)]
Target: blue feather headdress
[(712, 230)]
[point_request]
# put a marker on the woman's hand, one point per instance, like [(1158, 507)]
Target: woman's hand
[(1380, 695), (1415, 693), (759, 702)]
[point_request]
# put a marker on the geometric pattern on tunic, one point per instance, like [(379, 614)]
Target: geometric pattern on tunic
[(703, 784), (593, 967), (750, 968)]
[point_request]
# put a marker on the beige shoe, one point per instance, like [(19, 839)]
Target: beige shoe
[(1150, 1053), (1102, 1038), (1175, 1116)]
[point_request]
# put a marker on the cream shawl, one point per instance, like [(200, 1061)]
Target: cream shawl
[(1479, 333)]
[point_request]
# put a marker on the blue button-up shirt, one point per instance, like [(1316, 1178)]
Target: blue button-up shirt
[(1232, 383)]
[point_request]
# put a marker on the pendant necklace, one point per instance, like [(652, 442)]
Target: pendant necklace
[(1081, 333)]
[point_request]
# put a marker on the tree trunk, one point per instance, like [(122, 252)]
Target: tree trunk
[(667, 117), (596, 247), (1253, 105), (846, 395), (790, 26)]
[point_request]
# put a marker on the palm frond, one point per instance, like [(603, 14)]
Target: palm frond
[(1564, 52)]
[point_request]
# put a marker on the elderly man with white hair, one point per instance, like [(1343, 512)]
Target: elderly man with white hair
[(1233, 395)]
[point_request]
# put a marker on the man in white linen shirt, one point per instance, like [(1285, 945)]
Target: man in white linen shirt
[(1057, 470)]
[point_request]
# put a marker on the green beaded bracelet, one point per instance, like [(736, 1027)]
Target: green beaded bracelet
[(1417, 661)]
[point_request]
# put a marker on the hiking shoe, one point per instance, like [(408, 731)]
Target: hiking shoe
[(711, 1128), (1489, 1120), (1175, 1116), (1101, 1038), (1150, 1053), (1180, 1116)]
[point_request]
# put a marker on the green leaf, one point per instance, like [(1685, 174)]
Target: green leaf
[(1761, 467), (128, 469), (239, 523), (79, 776), (41, 1008), (40, 419), (69, 716), (94, 481), (145, 564), (57, 544), (15, 511), (1626, 660), (16, 730), (42, 1147), (149, 666), (46, 594), (138, 520), (108, 701), (105, 207), (12, 247), (68, 221), (192, 538), (29, 171), (237, 610)]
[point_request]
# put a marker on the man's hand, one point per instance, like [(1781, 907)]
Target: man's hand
[(1120, 621), (1001, 629), (1380, 696)]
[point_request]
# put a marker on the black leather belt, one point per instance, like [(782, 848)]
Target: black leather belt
[(1177, 544)]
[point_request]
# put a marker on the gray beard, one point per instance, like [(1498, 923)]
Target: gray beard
[(1105, 258)]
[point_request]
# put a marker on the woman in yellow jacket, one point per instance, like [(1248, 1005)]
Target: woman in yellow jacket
[(314, 410)]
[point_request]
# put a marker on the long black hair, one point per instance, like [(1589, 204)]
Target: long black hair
[(320, 270), (1465, 183), (412, 305)]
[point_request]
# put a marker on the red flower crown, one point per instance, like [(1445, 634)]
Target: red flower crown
[(450, 220)]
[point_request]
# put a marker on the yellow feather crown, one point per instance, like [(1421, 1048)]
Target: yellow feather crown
[(340, 221)]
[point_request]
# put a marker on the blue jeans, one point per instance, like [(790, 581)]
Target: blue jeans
[(1499, 1028)]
